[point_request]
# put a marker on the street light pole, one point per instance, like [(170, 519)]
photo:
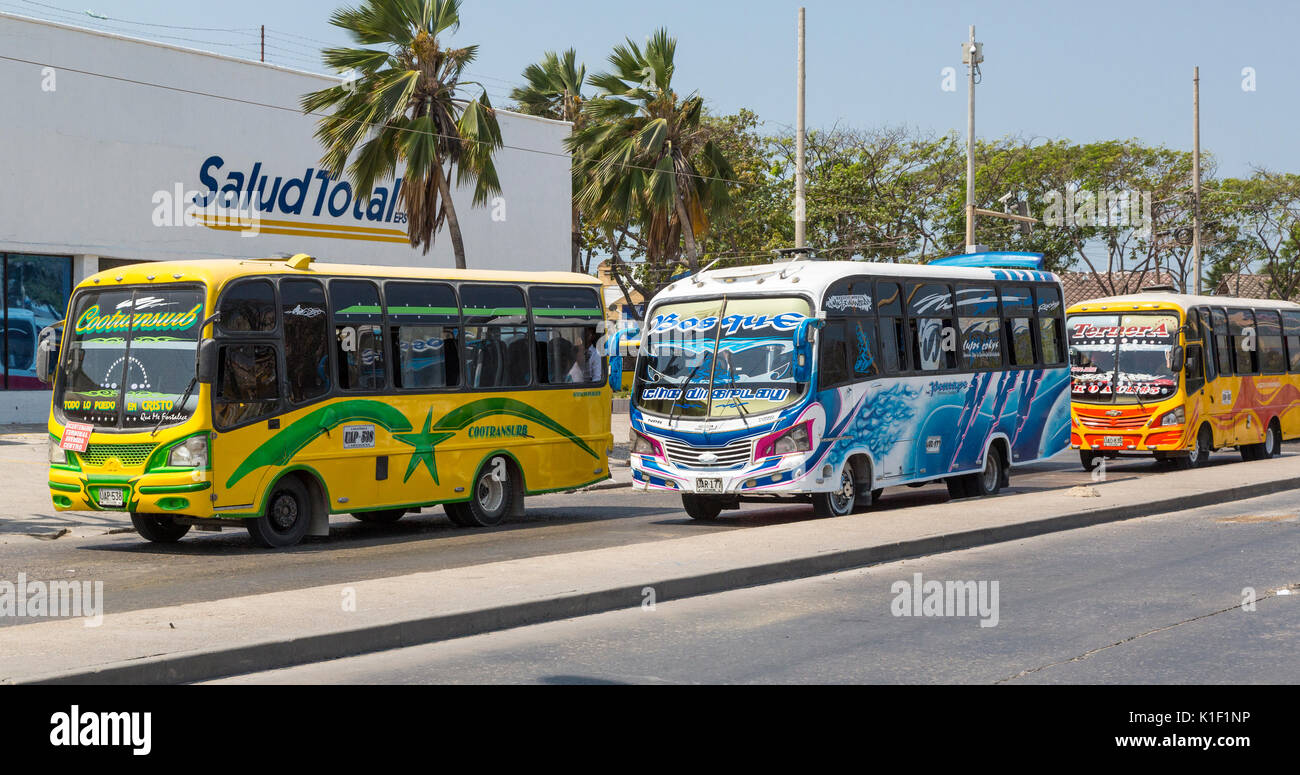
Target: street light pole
[(972, 55), (800, 170), (1196, 178)]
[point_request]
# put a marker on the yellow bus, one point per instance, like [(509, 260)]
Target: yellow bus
[(1181, 376), (270, 394)]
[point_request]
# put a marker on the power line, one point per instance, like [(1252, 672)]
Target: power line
[(298, 111), (70, 12)]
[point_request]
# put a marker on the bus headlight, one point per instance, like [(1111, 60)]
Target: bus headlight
[(792, 441), (192, 453), (1174, 417), (644, 445), (57, 455)]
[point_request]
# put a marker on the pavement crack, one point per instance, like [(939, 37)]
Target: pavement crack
[(1093, 652)]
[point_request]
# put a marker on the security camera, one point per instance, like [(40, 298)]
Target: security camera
[(972, 48), (1006, 197)]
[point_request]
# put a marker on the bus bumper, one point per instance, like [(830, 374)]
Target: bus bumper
[(792, 478), (173, 492), (1167, 439)]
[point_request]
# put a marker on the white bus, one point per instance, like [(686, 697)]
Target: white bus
[(829, 381)]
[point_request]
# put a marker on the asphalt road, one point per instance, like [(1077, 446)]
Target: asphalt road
[(1155, 600), (213, 566)]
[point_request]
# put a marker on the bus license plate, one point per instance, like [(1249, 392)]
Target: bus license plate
[(712, 486), (110, 496), (1113, 441)]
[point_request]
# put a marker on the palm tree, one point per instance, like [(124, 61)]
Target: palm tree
[(554, 91), (406, 107), (644, 155)]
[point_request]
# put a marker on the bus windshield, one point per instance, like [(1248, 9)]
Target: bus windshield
[(1123, 358), (720, 358), (130, 357)]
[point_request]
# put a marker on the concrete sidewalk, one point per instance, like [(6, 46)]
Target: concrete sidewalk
[(206, 640)]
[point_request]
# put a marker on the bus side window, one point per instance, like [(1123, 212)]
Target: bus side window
[(930, 326), (1245, 341), (247, 307), (893, 340), (358, 334), (1207, 338), (1291, 328), (1194, 368), (306, 339), (248, 384), (1271, 353), (980, 328), (1017, 317), (424, 334), (863, 348), (1051, 327), (565, 334), (833, 369), (1222, 342), (498, 348)]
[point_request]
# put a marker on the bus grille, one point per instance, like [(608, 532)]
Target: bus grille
[(734, 454), (1117, 423), (131, 455)]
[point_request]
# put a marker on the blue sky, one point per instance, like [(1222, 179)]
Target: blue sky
[(1083, 71)]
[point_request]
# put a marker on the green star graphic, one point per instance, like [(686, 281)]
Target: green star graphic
[(424, 442)]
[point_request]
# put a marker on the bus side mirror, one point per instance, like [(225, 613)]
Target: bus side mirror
[(1177, 358), (207, 366), (803, 349), (47, 354)]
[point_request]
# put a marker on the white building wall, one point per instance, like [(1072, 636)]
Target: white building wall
[(90, 165)]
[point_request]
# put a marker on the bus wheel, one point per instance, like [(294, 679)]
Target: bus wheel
[(491, 499), (1273, 441), (1199, 455), (702, 508), (838, 502), (158, 528), (1088, 459), (990, 480), (380, 517), (287, 517)]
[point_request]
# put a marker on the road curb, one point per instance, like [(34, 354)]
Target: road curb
[(258, 657)]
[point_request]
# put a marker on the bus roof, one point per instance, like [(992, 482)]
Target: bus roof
[(215, 272), (817, 276), (1181, 301)]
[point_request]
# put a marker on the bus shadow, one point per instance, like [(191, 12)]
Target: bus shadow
[(431, 525)]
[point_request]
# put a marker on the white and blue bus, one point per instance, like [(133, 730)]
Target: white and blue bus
[(829, 381)]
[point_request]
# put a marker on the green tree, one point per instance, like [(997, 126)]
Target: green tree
[(644, 158), (407, 106), (554, 90)]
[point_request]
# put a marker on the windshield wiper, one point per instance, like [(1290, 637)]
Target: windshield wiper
[(184, 397), (731, 379)]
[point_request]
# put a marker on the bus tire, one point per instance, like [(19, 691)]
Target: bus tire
[(1199, 455), (702, 508), (958, 487), (491, 497), (386, 517), (158, 528), (287, 517), (456, 513), (990, 480), (1088, 459), (839, 502), (1273, 440)]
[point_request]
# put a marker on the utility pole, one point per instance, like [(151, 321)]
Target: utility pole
[(800, 141), (1196, 178), (263, 42), (972, 54)]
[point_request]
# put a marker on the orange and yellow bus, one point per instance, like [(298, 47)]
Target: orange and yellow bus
[(1181, 376), (271, 394)]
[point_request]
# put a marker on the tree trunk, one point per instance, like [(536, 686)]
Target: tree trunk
[(688, 234), (453, 223), (577, 240)]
